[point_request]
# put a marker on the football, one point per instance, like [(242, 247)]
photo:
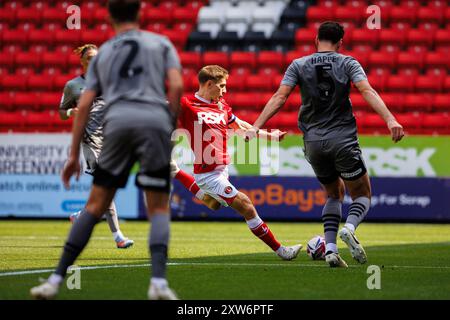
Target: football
[(316, 248)]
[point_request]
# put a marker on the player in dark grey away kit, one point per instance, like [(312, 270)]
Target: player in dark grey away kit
[(93, 135), (330, 137), (130, 71)]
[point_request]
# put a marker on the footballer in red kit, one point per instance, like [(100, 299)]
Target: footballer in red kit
[(209, 120)]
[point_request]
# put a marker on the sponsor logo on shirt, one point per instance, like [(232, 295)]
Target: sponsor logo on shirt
[(211, 118)]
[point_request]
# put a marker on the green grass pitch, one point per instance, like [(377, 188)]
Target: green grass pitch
[(223, 260)]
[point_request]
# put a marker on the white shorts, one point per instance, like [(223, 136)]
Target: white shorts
[(216, 184)]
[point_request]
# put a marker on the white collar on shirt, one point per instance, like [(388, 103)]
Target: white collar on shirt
[(202, 99)]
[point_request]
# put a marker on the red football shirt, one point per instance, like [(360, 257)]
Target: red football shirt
[(207, 123)]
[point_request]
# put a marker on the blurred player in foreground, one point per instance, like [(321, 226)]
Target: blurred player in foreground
[(330, 135), (130, 71), (207, 117), (93, 134)]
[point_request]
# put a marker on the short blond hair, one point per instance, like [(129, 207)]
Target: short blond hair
[(212, 72), (84, 48)]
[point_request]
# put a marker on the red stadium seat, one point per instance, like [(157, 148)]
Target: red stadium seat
[(153, 15), (40, 36), (392, 37), (394, 101), (178, 38), (191, 60), (270, 59), (364, 37), (156, 27), (441, 102), (442, 37), (437, 123), (372, 122), (418, 102), (94, 36), (50, 100), (420, 37), (54, 59), (38, 121), (429, 84), (6, 59), (40, 82), (377, 81), (220, 58), (100, 15), (29, 15), (14, 37), (411, 122), (242, 59), (305, 36), (247, 101), (25, 100), (8, 16), (436, 59), (382, 59), (236, 83), (6, 100), (429, 14), (349, 13), (447, 83), (258, 83), (11, 121), (54, 15), (400, 83), (69, 37), (14, 82), (187, 15), (319, 14), (410, 60), (403, 14)]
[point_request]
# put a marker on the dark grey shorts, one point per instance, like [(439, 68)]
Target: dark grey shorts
[(123, 146), (333, 158)]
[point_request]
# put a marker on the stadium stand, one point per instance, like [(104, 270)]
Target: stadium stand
[(406, 60)]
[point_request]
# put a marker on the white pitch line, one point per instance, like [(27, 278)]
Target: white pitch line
[(25, 272), (2, 238)]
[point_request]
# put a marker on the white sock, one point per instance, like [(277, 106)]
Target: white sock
[(200, 194), (331, 247), (118, 236), (350, 227), (254, 222), (279, 249), (55, 279), (159, 282)]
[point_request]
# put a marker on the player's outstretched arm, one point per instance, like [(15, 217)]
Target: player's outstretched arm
[(377, 104), (272, 107), (73, 165), (241, 127)]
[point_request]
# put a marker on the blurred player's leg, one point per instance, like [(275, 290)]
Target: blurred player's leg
[(243, 205), (122, 242), (159, 215), (360, 192), (99, 200)]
